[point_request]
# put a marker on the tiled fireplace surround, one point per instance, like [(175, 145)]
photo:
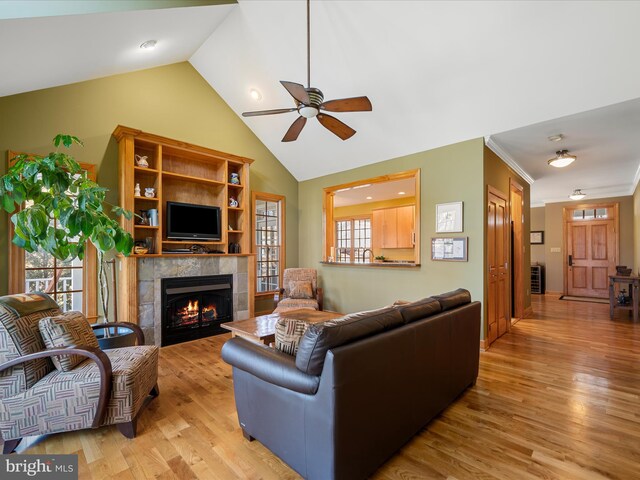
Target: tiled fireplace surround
[(152, 270)]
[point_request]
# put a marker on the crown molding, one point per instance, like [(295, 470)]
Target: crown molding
[(506, 158), (636, 180), (587, 199)]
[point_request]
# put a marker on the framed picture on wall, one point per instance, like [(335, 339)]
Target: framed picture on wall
[(452, 249), (537, 237), (449, 217)]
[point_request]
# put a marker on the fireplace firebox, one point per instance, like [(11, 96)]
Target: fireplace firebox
[(194, 307)]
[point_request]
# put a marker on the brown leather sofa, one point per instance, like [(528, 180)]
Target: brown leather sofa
[(360, 387)]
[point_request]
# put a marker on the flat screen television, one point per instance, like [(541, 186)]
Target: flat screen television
[(186, 221)]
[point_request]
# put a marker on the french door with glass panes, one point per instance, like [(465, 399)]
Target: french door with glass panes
[(269, 241)]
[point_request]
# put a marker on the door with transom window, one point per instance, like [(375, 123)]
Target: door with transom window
[(591, 249)]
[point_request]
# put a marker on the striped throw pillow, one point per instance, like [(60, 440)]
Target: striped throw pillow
[(289, 331), (70, 328)]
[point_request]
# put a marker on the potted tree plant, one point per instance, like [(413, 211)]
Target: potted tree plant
[(59, 210)]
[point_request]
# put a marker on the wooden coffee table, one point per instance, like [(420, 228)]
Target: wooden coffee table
[(262, 329)]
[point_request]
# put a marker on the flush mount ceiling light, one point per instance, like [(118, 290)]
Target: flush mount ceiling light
[(148, 45), (562, 159), (577, 195), (556, 138), (255, 94)]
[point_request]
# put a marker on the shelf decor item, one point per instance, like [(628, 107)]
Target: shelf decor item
[(153, 217), (235, 179), (59, 210), (536, 237), (149, 192), (449, 217), (136, 190), (141, 161), (233, 202)]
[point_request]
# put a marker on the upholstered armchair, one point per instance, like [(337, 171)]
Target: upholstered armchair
[(300, 291), (104, 387)]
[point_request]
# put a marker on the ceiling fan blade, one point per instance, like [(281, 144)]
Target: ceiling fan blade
[(353, 104), (335, 126), (294, 130), (297, 91), (268, 112)]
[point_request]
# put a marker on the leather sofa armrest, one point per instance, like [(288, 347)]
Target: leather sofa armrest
[(269, 365)]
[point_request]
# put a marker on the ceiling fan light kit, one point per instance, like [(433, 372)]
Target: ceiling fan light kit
[(562, 159), (577, 194), (310, 101)]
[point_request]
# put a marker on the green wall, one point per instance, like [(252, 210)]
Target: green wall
[(538, 254), (173, 101), (448, 174)]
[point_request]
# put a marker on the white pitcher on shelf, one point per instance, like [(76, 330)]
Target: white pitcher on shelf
[(141, 161)]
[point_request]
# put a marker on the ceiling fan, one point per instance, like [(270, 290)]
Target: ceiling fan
[(310, 101)]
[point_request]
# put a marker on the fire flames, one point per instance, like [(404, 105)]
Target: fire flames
[(190, 313), (210, 312)]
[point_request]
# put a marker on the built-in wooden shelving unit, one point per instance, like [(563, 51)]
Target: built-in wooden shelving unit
[(179, 172)]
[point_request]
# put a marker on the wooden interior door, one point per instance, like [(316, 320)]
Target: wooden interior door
[(517, 252), (591, 257), (498, 266)]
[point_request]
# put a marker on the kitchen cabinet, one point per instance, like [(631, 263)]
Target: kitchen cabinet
[(393, 227)]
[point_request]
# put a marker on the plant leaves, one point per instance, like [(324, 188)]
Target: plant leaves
[(8, 203)]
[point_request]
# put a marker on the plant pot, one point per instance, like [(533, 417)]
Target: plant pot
[(118, 338)]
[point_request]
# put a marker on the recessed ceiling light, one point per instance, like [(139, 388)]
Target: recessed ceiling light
[(369, 198), (255, 94), (556, 138), (577, 194), (148, 45), (562, 159), (401, 193)]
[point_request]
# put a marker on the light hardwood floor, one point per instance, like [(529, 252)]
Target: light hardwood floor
[(558, 397)]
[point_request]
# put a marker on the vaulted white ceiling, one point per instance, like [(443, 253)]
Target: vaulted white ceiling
[(436, 72), (47, 51)]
